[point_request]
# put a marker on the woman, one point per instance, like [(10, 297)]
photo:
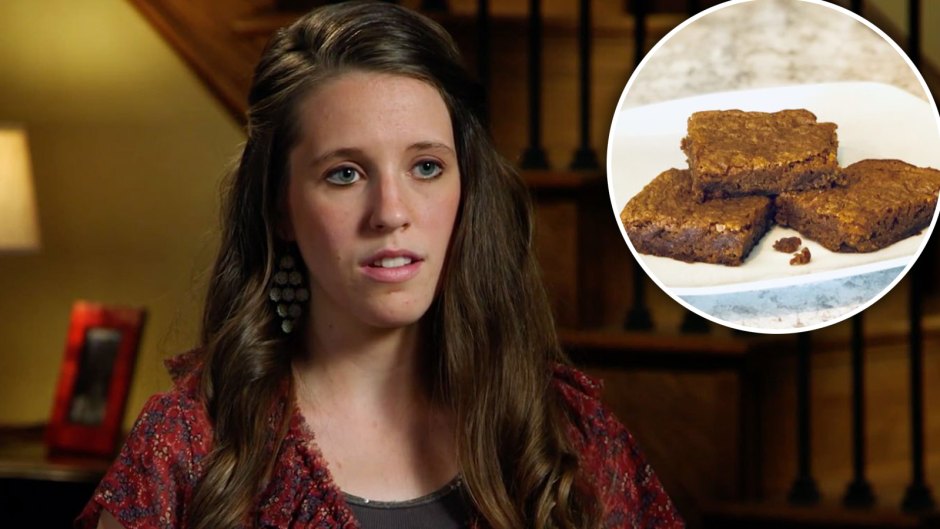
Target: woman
[(377, 349)]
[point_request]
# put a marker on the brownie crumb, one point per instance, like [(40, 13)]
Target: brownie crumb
[(801, 257), (788, 244)]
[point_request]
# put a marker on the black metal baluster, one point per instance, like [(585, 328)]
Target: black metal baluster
[(434, 5), (918, 496), (913, 31), (638, 318), (693, 323), (804, 490), (750, 399), (483, 52), (534, 156), (927, 256), (639, 32), (584, 157), (859, 492)]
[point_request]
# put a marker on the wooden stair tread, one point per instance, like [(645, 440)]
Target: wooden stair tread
[(878, 334), (663, 343), (562, 179), (775, 514), (667, 351)]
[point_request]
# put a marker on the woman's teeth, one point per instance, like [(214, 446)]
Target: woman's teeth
[(392, 262)]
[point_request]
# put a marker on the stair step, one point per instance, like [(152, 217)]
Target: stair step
[(668, 351), (771, 515), (879, 332), (562, 180)]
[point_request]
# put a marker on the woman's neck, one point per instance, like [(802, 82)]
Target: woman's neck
[(365, 367), (365, 396)]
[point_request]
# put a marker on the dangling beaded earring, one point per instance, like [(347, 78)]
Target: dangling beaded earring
[(288, 292)]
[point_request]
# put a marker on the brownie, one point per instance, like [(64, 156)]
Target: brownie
[(664, 219), (882, 202), (788, 244), (736, 153)]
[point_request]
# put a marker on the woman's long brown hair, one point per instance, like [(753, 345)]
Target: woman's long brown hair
[(490, 325)]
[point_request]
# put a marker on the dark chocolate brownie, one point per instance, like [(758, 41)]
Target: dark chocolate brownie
[(664, 219), (736, 153), (882, 202)]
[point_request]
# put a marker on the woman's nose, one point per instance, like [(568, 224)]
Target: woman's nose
[(389, 210)]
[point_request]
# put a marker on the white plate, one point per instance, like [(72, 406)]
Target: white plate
[(874, 121)]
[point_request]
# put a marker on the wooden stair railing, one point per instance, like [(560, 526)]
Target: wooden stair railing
[(201, 31), (221, 40), (770, 515)]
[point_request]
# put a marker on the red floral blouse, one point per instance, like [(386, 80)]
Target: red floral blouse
[(151, 482)]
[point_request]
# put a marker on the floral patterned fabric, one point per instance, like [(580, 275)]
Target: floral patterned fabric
[(151, 482)]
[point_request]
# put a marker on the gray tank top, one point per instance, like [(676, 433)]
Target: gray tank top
[(445, 508)]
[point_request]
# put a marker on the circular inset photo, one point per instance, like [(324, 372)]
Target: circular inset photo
[(773, 164)]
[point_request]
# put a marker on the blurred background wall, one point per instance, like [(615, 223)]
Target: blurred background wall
[(128, 149)]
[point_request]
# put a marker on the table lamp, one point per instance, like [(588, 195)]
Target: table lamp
[(19, 225)]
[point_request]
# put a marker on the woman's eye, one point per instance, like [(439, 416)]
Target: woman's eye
[(427, 169), (343, 176)]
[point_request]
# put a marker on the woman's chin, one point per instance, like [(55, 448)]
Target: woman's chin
[(394, 315), (393, 320)]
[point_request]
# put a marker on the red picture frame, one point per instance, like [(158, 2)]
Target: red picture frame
[(91, 395)]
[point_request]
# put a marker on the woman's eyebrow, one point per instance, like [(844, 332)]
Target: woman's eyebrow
[(430, 145), (353, 152), (343, 152)]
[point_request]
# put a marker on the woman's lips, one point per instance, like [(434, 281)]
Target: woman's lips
[(392, 266)]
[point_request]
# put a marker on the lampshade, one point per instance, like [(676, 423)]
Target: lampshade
[(19, 225)]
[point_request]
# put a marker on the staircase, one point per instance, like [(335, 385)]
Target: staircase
[(712, 411)]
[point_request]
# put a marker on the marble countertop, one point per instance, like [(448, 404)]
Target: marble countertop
[(797, 308), (765, 43)]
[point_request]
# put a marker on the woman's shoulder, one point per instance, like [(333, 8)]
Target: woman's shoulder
[(575, 383), (580, 396), (594, 431), (185, 370), (154, 474), (610, 456), (178, 414)]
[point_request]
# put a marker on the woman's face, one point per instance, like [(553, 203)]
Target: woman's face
[(372, 195)]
